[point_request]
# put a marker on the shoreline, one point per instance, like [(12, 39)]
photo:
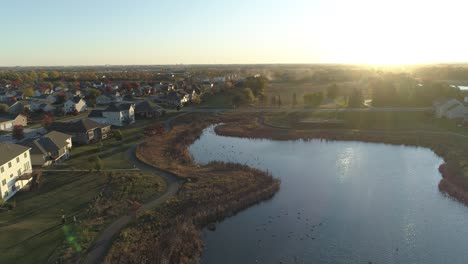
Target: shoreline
[(452, 181), (210, 193), (205, 197)]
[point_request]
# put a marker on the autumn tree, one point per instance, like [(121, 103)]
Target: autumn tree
[(28, 92), (3, 108), (47, 119), (18, 132)]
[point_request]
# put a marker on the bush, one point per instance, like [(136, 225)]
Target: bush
[(118, 135)]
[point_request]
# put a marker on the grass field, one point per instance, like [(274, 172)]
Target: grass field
[(32, 232), (373, 120)]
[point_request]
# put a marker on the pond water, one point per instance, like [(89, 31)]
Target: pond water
[(340, 202)]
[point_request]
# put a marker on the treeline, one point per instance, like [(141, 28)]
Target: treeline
[(402, 90), (442, 73)]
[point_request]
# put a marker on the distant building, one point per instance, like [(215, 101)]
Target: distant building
[(450, 109), (115, 114), (73, 104)]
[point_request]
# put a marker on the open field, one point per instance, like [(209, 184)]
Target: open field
[(371, 120), (32, 232)]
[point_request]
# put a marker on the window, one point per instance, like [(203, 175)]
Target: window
[(25, 154), (9, 164), (11, 175), (2, 169), (19, 172), (3, 182), (17, 159)]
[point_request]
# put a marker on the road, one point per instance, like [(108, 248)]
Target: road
[(97, 252), (306, 110)]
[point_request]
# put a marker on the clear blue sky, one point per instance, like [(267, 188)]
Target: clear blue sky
[(90, 32)]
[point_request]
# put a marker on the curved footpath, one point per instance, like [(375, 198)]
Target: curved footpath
[(97, 251)]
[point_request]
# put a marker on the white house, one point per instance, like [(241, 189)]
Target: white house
[(115, 114), (6, 124), (15, 169), (75, 103), (450, 109)]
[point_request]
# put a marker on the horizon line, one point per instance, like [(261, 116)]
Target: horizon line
[(234, 64)]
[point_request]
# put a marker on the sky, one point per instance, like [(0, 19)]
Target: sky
[(124, 32)]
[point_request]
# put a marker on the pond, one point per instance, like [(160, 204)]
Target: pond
[(339, 202)]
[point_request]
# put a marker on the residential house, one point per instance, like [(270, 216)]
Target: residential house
[(19, 107), (51, 98), (73, 93), (206, 85), (177, 98), (147, 109), (15, 169), (6, 124), (48, 107), (103, 100), (76, 103), (450, 109), (83, 131), (20, 120), (52, 148), (115, 114)]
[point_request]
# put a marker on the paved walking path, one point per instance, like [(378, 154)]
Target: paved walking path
[(98, 250)]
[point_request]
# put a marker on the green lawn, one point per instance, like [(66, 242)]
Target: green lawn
[(32, 231)]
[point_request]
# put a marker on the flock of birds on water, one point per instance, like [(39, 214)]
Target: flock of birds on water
[(227, 153), (306, 225)]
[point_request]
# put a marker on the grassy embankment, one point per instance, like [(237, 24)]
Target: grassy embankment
[(453, 148), (172, 232), (32, 231)]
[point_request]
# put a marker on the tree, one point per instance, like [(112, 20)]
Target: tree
[(313, 99), (47, 119), (61, 98), (3, 108), (294, 100), (355, 99), (93, 94), (273, 101), (118, 135), (245, 97), (28, 92), (97, 163), (18, 132), (257, 84), (332, 91), (54, 75)]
